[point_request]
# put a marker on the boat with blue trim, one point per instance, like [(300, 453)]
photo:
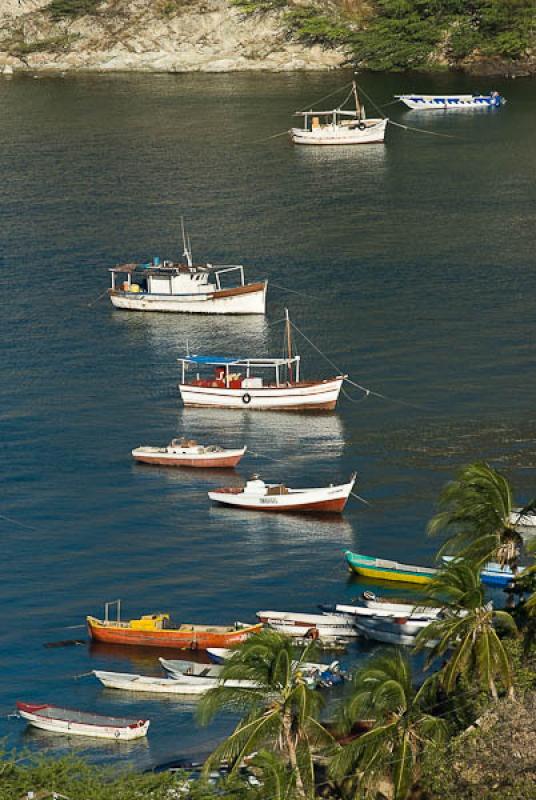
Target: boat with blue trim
[(442, 102), (491, 574)]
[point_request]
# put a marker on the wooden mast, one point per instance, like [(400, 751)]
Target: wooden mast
[(358, 106), (288, 334)]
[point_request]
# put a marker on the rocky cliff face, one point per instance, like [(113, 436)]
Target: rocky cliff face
[(163, 36)]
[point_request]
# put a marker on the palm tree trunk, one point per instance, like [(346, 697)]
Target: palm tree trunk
[(291, 752)]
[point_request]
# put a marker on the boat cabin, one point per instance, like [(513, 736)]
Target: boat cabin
[(239, 373), (171, 278), (337, 117)]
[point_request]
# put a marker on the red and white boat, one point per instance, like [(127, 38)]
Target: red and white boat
[(235, 383), (257, 495), (81, 723), (188, 453)]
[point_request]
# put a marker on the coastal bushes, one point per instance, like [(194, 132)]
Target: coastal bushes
[(410, 34), (60, 9)]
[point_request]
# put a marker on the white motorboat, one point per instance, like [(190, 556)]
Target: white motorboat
[(387, 611), (444, 102), (68, 721), (184, 287), (321, 626), (188, 453), (257, 495), (235, 383), (323, 674), (339, 126), (399, 607)]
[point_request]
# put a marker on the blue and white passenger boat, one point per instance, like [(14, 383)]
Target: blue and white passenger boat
[(427, 102)]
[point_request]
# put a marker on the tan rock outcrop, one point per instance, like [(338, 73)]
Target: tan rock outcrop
[(162, 36)]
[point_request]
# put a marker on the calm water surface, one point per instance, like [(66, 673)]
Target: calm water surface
[(413, 267)]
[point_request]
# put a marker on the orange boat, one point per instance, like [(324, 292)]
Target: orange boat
[(157, 630)]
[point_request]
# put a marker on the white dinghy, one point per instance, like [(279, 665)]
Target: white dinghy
[(340, 126), (68, 721)]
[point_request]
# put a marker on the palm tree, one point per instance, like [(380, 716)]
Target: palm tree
[(465, 635), (277, 778), (281, 713), (477, 509), (383, 690)]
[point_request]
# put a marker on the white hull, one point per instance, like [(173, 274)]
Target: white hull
[(325, 499), (391, 632), (243, 303), (81, 729), (373, 133), (177, 684), (188, 456), (322, 395), (386, 610), (459, 102), (298, 625)]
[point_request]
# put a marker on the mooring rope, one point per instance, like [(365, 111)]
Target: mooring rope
[(353, 383)]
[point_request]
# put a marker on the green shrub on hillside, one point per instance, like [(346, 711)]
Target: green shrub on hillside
[(307, 25), (58, 9)]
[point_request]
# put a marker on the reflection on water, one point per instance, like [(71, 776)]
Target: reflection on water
[(144, 659), (368, 157), (58, 745)]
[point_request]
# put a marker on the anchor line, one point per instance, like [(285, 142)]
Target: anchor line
[(359, 386)]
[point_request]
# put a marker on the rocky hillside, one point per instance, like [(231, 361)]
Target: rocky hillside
[(162, 35), (493, 36)]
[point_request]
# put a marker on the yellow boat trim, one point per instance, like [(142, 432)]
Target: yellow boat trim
[(388, 575)]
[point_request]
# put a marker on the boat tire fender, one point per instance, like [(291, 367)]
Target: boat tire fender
[(246, 398), (117, 734), (361, 126)]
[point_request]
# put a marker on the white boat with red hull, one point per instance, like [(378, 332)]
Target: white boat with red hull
[(81, 723), (257, 495), (188, 453), (235, 383)]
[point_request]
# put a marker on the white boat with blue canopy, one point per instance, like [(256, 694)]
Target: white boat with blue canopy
[(446, 102), (235, 382)]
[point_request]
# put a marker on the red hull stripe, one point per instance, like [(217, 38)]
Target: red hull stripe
[(230, 461), (333, 506), (179, 640)]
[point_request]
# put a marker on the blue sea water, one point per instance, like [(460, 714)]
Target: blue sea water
[(411, 266)]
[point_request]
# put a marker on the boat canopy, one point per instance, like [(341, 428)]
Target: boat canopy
[(215, 361), (339, 111)]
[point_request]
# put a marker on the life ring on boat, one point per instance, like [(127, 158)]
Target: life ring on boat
[(361, 126), (246, 399), (141, 723)]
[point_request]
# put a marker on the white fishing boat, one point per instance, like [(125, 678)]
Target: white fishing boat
[(193, 672), (324, 674), (128, 682), (388, 610), (68, 721), (178, 667), (184, 287), (391, 631), (448, 102), (339, 126), (321, 626), (256, 495), (188, 453), (235, 383), (399, 607)]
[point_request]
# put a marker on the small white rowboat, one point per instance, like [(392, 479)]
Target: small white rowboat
[(80, 723), (178, 683), (188, 453), (257, 495)]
